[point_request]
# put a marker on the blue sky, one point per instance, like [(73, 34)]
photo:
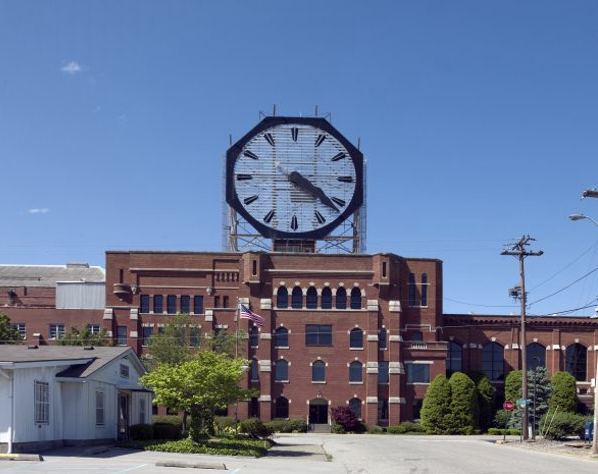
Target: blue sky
[(479, 121)]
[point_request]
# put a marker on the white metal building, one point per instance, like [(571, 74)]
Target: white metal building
[(52, 396)]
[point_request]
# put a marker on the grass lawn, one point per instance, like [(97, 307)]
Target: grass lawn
[(218, 446)]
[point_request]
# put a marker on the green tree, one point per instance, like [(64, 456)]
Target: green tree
[(8, 334), (539, 393), (486, 403), (436, 408), (84, 337), (198, 386), (464, 404), (174, 344), (513, 385), (563, 393)]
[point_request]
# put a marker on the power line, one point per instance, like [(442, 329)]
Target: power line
[(481, 305), (565, 287)]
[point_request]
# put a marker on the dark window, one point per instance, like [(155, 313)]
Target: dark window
[(198, 304), (254, 336), (417, 408), (281, 371), (194, 337), (147, 334), (318, 335), (326, 302), (576, 357), (254, 267), (254, 408), (282, 297), (355, 298), (318, 371), (297, 298), (454, 358), (341, 298), (424, 291), (355, 371), (383, 269), (281, 408), (493, 361), (185, 304), (311, 300), (536, 356), (158, 304), (418, 373), (220, 411), (355, 406), (382, 409), (281, 337), (225, 301), (255, 376), (383, 375), (382, 339), (417, 336), (171, 304), (121, 335), (216, 301), (144, 304), (356, 338), (412, 290)]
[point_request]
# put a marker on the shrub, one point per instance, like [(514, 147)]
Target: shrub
[(486, 402), (337, 428), (562, 425), (513, 385), (141, 432), (169, 419), (501, 419), (563, 394), (345, 417), (435, 412), (464, 404), (287, 426), (503, 431), (222, 447), (224, 425), (375, 429), (406, 427), (166, 431), (255, 428)]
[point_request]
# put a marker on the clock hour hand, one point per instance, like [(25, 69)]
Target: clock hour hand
[(302, 182)]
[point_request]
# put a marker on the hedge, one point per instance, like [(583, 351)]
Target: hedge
[(503, 431), (141, 432), (562, 425), (221, 447), (287, 426), (406, 427), (255, 428)]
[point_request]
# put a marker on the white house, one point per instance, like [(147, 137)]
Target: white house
[(52, 396)]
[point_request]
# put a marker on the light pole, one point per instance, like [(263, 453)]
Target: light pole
[(579, 217)]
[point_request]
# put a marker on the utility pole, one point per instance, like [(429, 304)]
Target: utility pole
[(519, 250)]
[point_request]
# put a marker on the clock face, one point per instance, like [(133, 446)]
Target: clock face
[(294, 179)]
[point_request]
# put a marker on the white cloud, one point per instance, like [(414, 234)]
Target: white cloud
[(71, 68), (38, 210)]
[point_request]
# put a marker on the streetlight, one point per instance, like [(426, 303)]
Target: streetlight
[(579, 217)]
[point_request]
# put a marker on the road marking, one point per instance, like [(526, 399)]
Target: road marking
[(131, 468), (236, 470)]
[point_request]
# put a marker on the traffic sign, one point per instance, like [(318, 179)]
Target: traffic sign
[(508, 405), (523, 403)]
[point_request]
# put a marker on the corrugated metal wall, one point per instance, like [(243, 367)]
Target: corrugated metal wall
[(80, 295)]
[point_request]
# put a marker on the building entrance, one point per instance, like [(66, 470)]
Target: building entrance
[(318, 412)]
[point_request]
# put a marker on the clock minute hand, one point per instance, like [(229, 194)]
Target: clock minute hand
[(302, 182)]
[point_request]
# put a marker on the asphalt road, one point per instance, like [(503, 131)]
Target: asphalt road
[(330, 454)]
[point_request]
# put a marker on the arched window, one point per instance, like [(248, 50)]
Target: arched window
[(424, 290), (318, 371), (311, 300), (254, 336), (297, 298), (355, 406), (281, 408), (576, 358), (341, 298), (356, 339), (454, 358), (382, 339), (355, 298), (281, 371), (281, 337), (493, 364), (282, 297), (326, 302), (536, 356), (355, 371), (255, 376)]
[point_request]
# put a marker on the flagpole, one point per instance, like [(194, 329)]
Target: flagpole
[(237, 317)]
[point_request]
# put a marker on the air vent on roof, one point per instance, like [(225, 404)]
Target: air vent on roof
[(77, 265)]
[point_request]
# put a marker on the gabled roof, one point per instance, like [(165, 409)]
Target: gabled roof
[(48, 275)]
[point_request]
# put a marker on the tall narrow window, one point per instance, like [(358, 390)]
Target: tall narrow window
[(575, 363), (355, 371), (355, 298), (281, 337), (454, 358), (355, 406), (254, 267), (326, 301), (382, 339), (99, 407), (282, 297), (536, 356), (121, 335), (311, 300), (412, 288), (225, 301), (356, 338), (424, 290), (41, 403), (254, 336), (198, 304), (341, 298), (146, 335), (171, 304), (281, 409), (383, 374), (493, 364), (382, 410), (281, 371), (142, 411), (158, 304), (318, 371), (185, 304), (254, 371), (297, 298), (144, 304)]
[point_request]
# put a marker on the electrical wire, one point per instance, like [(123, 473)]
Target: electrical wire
[(482, 305), (565, 287)]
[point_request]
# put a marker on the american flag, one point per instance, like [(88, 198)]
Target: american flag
[(246, 313)]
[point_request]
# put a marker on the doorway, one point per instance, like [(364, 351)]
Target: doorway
[(318, 411), (123, 416)]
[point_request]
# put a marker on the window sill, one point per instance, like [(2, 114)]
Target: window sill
[(281, 347), (323, 382), (355, 348), (355, 383), (281, 381), (418, 383)]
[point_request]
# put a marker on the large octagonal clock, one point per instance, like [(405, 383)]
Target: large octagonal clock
[(294, 177)]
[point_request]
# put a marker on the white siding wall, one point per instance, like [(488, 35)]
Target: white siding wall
[(136, 405), (5, 406)]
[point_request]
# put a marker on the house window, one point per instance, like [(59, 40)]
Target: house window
[(281, 408), (418, 373), (158, 304), (281, 337), (355, 371), (185, 304), (536, 356), (171, 304), (41, 403), (216, 301), (575, 362), (142, 411), (424, 290), (311, 300), (99, 407), (454, 358), (194, 336), (254, 371), (355, 298), (297, 298), (493, 361), (326, 301), (254, 408), (254, 336), (383, 376), (121, 335), (417, 336), (356, 338), (124, 371), (355, 407), (318, 371), (198, 304), (93, 329), (225, 301), (341, 298), (412, 290), (21, 328), (281, 371), (147, 334), (382, 339), (318, 334), (56, 331), (144, 304), (382, 410), (282, 297)]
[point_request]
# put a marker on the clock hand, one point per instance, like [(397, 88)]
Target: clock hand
[(302, 182)]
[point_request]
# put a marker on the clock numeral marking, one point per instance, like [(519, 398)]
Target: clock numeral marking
[(345, 179), (268, 217), (338, 156), (250, 154), (269, 138), (294, 223), (294, 133), (250, 199), (320, 218), (320, 140), (244, 177), (338, 201)]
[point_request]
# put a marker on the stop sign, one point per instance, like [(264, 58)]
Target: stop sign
[(508, 405)]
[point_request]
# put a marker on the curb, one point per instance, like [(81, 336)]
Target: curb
[(198, 465), (20, 457)]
